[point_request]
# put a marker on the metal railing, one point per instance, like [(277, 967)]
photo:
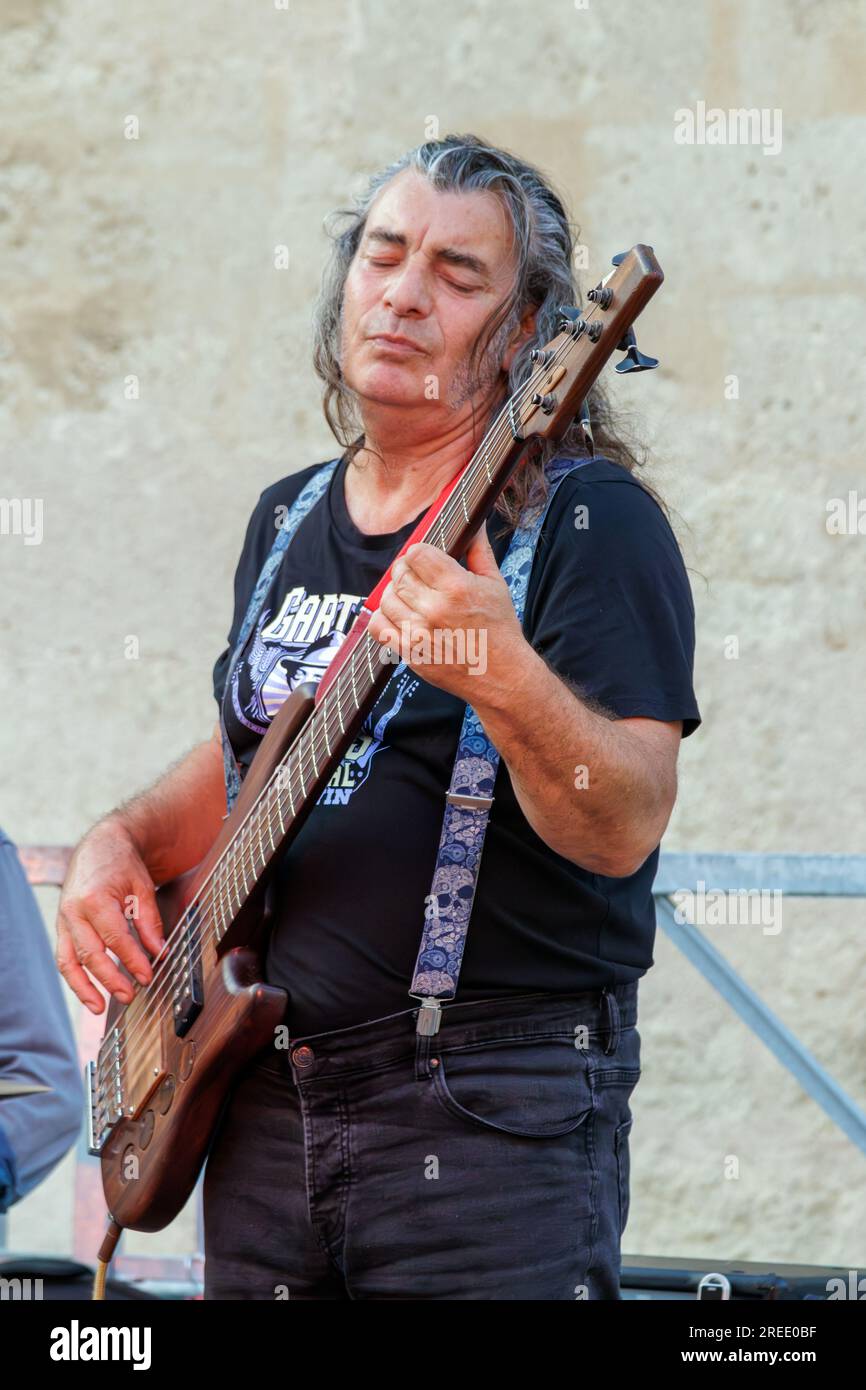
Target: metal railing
[(790, 875)]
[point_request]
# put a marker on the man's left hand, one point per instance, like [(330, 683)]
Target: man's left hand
[(453, 625)]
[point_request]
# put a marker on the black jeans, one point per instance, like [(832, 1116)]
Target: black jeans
[(490, 1161)]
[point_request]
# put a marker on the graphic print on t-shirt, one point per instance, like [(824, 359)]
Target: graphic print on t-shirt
[(298, 645), (355, 767)]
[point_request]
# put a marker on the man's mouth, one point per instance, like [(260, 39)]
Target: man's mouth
[(395, 342)]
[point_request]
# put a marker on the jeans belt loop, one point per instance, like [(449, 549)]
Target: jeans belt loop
[(613, 1024)]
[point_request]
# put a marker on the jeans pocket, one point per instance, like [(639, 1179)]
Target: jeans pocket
[(536, 1088), (623, 1168)]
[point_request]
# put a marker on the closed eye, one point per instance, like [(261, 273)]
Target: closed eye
[(455, 284)]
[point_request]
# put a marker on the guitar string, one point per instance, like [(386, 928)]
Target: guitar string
[(214, 889)]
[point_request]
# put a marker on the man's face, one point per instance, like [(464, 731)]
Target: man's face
[(430, 267)]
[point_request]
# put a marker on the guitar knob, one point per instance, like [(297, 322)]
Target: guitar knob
[(601, 295), (634, 360)]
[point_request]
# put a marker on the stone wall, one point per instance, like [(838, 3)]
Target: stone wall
[(152, 258)]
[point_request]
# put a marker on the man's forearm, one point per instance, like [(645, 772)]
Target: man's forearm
[(174, 823), (588, 787)]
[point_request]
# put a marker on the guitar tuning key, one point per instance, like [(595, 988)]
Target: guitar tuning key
[(601, 295), (634, 360)]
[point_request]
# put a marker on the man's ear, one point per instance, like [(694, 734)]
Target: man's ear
[(522, 335)]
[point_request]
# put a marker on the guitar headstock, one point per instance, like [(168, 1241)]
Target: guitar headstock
[(569, 364)]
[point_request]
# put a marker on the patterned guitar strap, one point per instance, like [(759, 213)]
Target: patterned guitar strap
[(303, 503), (467, 805)]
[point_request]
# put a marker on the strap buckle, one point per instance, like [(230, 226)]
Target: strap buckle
[(469, 803), (429, 1016)]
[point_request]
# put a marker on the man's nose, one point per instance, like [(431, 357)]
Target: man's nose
[(408, 289)]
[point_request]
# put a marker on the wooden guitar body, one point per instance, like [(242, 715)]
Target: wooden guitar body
[(150, 1164)]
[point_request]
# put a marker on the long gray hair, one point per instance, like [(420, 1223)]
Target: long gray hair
[(545, 279)]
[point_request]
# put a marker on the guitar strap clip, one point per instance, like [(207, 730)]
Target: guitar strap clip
[(429, 1017), (469, 803)]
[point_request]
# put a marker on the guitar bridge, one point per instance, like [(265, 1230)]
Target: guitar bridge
[(104, 1106)]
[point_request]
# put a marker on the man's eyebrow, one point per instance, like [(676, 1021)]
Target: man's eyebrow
[(444, 253)]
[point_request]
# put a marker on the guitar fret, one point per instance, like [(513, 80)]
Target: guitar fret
[(313, 757), (215, 893), (234, 869), (270, 826), (246, 857), (221, 894)]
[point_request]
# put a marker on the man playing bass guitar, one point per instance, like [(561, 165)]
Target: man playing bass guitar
[(483, 1153)]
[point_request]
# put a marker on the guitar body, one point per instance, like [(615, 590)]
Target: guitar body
[(150, 1164), (152, 1158)]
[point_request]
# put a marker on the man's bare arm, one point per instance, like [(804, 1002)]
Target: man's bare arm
[(174, 823), (599, 791)]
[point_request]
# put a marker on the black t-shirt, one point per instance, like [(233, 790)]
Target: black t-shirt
[(609, 606)]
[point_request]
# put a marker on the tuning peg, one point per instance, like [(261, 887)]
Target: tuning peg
[(634, 360), (601, 295), (570, 321)]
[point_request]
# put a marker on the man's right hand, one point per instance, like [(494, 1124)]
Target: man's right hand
[(107, 879)]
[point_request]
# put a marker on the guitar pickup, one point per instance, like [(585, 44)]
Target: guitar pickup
[(187, 992)]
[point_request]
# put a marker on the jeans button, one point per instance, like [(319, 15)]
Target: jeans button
[(303, 1056)]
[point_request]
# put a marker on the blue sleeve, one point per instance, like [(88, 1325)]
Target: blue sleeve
[(8, 1178), (36, 1041), (613, 609)]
